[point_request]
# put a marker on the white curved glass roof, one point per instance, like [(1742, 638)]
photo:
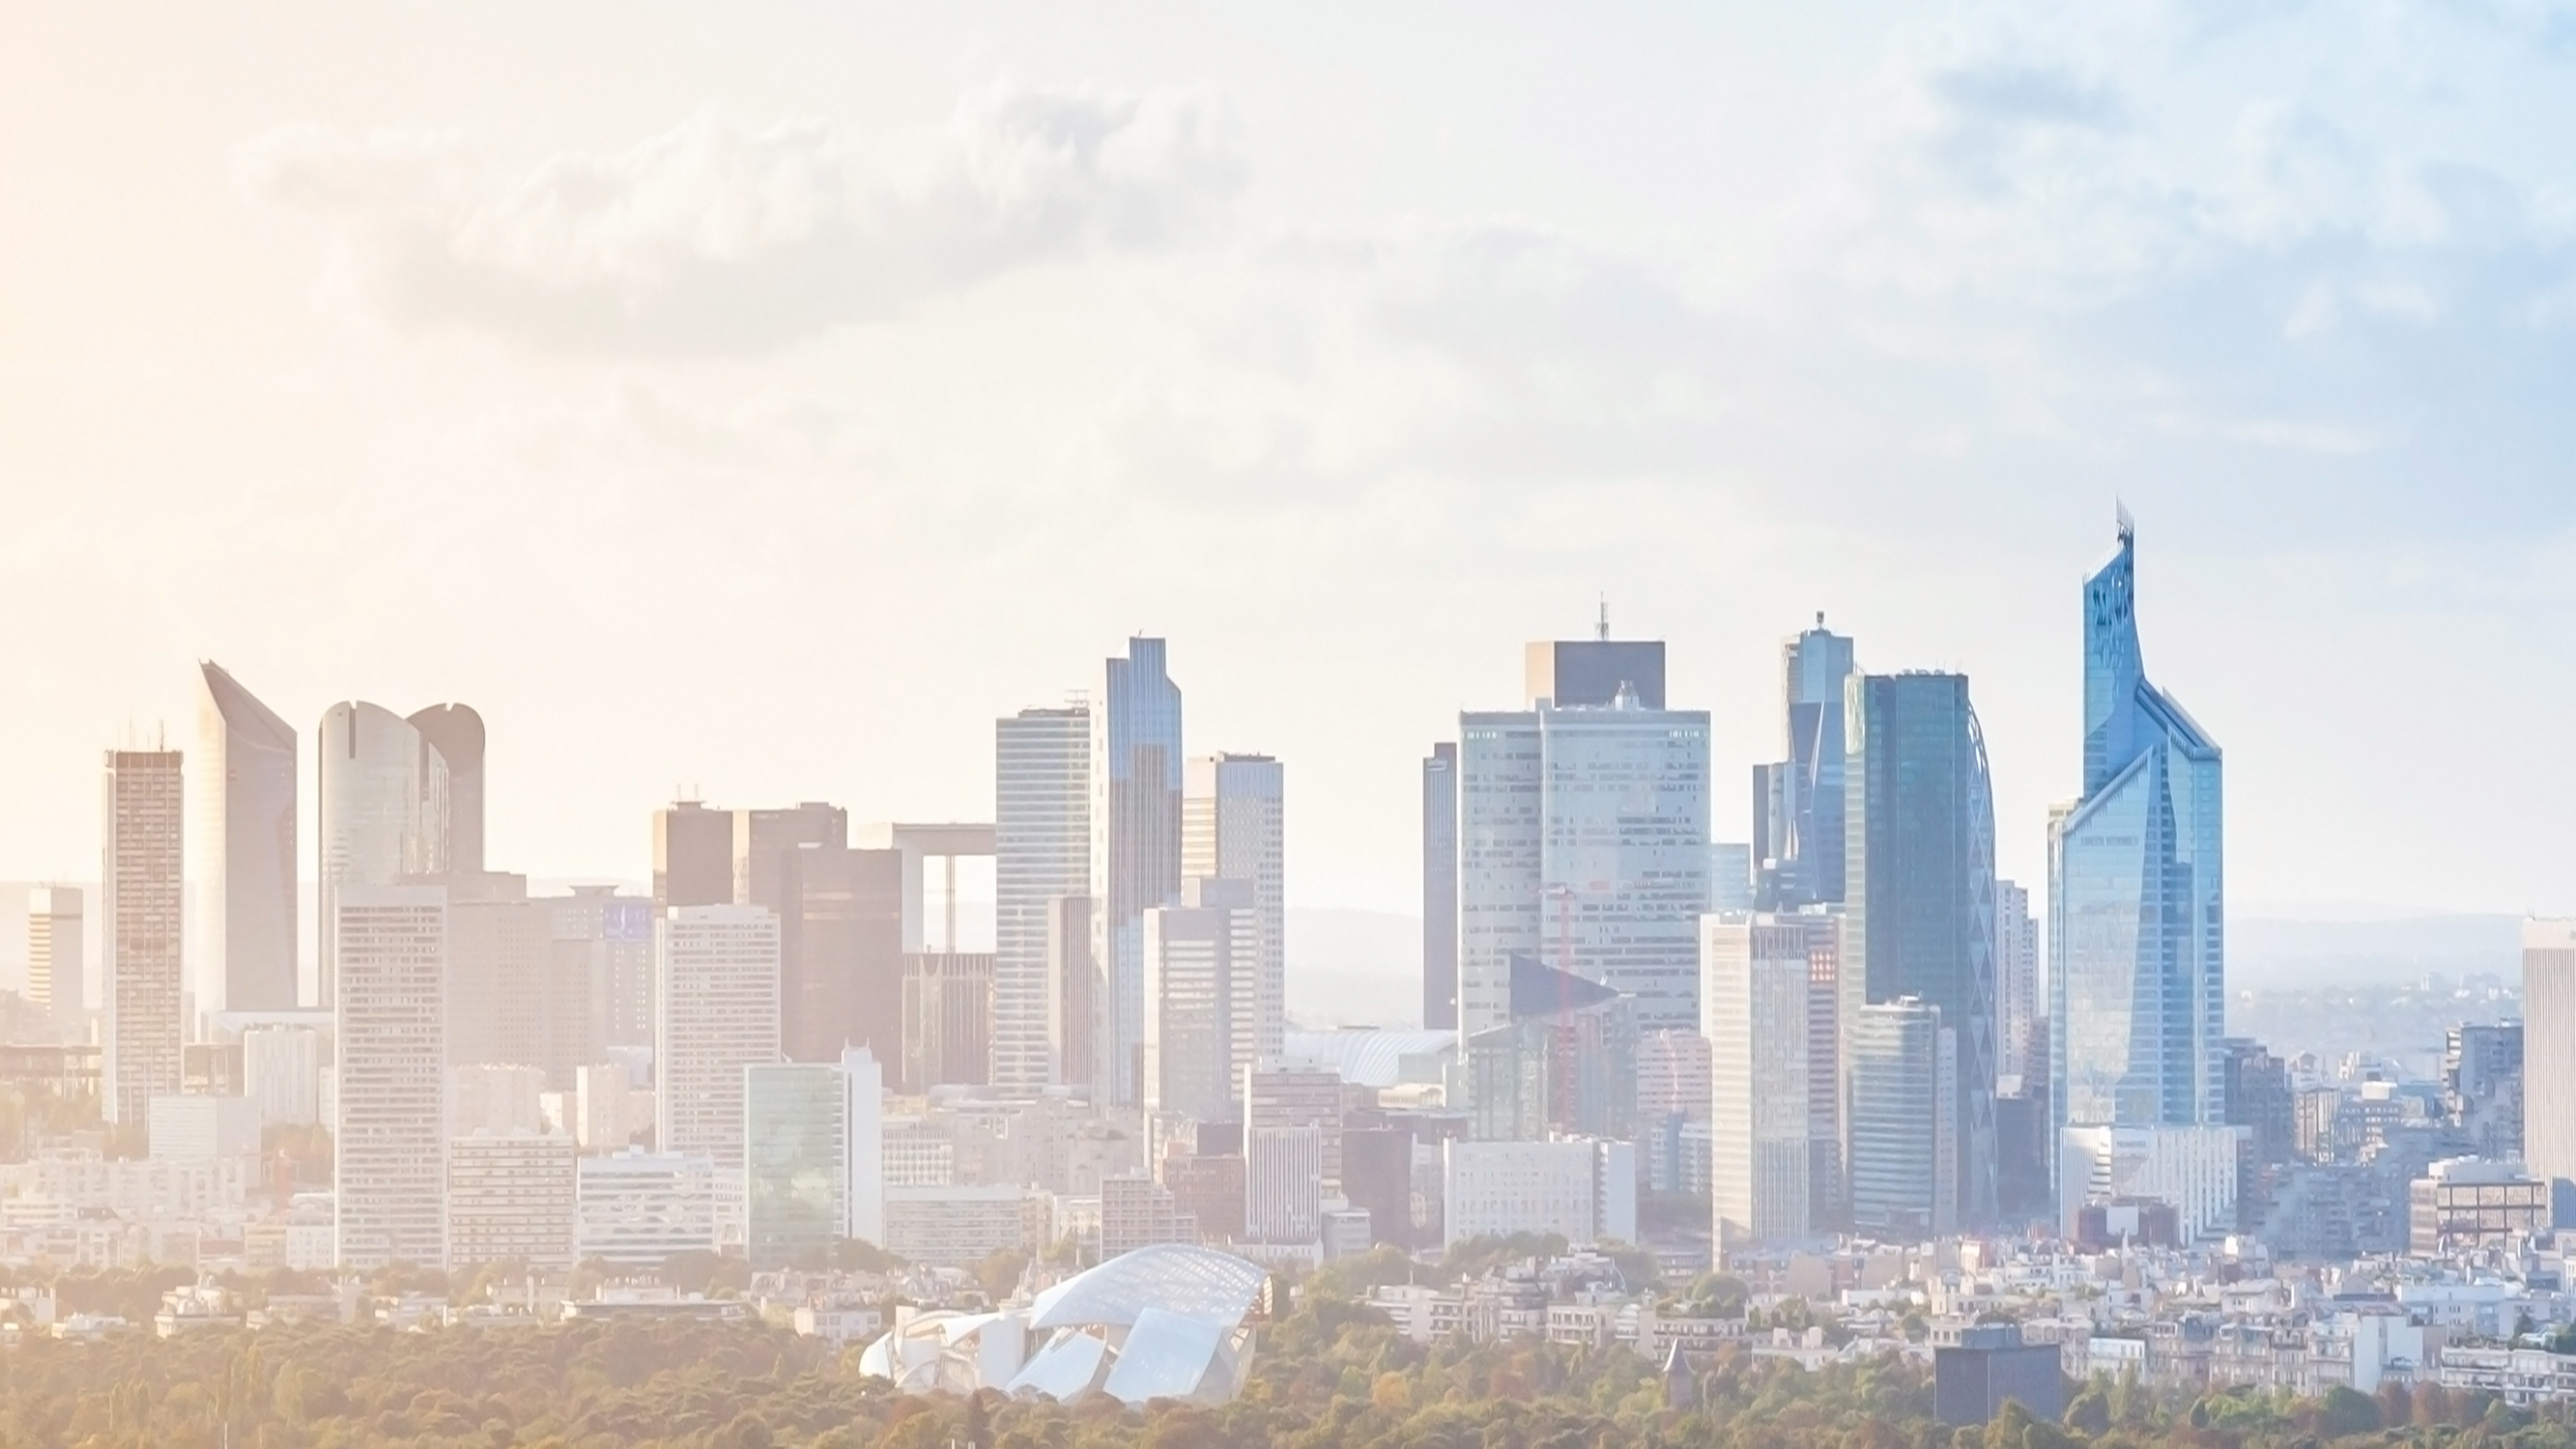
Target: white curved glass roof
[(1180, 1278), (1166, 1356), (1366, 1056)]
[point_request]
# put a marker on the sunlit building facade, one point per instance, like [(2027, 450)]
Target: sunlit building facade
[(2136, 928), (242, 849), (1041, 859), (1136, 781)]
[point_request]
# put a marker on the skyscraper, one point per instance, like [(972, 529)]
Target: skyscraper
[(384, 811), (1774, 1137), (1188, 1048), (54, 984), (796, 1162), (1233, 829), (693, 862), (763, 839), (2018, 1010), (1583, 841), (840, 949), (1136, 787), (389, 1134), (1919, 891), (715, 1014), (2137, 978), (139, 914), (1901, 1067), (242, 845), (455, 731), (1041, 856), (2549, 1076), (1798, 804), (1440, 888)]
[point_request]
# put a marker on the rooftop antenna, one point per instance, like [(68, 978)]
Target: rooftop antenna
[(1601, 630), (2128, 526)]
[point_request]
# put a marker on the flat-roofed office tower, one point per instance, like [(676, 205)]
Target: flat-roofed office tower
[(455, 731), (241, 845), (1233, 828), (1798, 802), (1574, 673), (1440, 888), (1136, 789), (1583, 842), (389, 1129), (1041, 855), (139, 915), (840, 951), (2137, 970), (54, 984), (692, 856), (1900, 1060), (762, 841), (1919, 903), (715, 1014), (2549, 1072), (1775, 1153), (384, 813)]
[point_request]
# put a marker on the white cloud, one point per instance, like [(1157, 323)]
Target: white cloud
[(724, 236)]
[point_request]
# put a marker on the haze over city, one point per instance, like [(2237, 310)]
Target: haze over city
[(785, 726), (763, 404)]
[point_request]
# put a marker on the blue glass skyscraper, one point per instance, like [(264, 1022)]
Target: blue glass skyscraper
[(2138, 981)]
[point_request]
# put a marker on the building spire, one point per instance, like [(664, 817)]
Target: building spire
[(1601, 630)]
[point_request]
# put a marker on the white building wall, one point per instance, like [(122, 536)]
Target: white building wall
[(865, 1076), (1041, 852), (389, 1136), (715, 1013), (1582, 1190), (638, 1207), (282, 1073), (2549, 1070)]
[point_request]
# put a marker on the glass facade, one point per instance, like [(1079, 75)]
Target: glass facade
[(1919, 903), (1136, 787), (796, 1137), (2136, 925)]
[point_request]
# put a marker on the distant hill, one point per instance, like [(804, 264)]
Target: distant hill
[(2264, 951)]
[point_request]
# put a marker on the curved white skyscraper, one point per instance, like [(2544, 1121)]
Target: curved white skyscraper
[(243, 850), (384, 812)]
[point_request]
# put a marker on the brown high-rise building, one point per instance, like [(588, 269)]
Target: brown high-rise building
[(840, 914), (139, 913), (692, 856), (763, 839)]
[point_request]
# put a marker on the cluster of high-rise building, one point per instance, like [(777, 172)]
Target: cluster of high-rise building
[(706, 1067), (1842, 1022), (1865, 994)]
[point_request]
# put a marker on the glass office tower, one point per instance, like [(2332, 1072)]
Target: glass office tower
[(2138, 985), (1919, 896)]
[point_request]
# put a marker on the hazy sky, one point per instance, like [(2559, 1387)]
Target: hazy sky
[(765, 398)]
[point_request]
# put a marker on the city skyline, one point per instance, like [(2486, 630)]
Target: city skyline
[(1874, 314)]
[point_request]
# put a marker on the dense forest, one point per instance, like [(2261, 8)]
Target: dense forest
[(1331, 1373)]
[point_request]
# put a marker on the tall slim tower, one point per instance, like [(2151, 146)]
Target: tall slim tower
[(2548, 1076), (242, 829), (1136, 787), (1440, 888), (455, 731), (389, 1137), (1919, 894), (717, 1013), (139, 879), (2137, 932), (1233, 827), (2018, 1009), (1798, 802), (384, 813), (1041, 857)]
